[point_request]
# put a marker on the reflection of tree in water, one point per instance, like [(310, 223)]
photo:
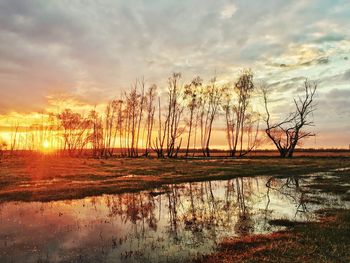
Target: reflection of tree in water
[(203, 211), (193, 207), (172, 196), (193, 214), (176, 221), (136, 208), (208, 210), (289, 188), (245, 224)]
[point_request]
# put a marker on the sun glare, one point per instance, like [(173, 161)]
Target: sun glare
[(46, 146)]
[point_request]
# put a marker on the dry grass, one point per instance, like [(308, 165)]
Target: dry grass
[(44, 178), (325, 241)]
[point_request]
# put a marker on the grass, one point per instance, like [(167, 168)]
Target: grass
[(339, 183), (325, 241), (46, 178)]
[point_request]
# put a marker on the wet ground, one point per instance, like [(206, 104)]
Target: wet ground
[(173, 223), (52, 178)]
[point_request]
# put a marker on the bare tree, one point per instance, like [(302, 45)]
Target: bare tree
[(108, 129), (140, 111), (150, 108), (240, 118), (3, 147), (210, 100), (288, 133), (96, 134), (191, 98), (118, 126), (175, 109), (133, 114), (158, 143), (14, 139), (75, 129)]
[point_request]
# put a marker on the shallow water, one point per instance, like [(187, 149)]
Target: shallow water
[(171, 224)]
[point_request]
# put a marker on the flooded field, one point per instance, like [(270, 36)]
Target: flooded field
[(173, 223)]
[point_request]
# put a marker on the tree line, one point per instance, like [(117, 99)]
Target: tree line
[(146, 120)]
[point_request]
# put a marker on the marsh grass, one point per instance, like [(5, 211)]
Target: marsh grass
[(53, 178), (324, 241)]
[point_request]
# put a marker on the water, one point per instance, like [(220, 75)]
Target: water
[(171, 224)]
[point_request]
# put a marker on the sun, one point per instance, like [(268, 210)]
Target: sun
[(46, 145)]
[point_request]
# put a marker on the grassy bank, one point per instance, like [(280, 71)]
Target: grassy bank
[(51, 178), (324, 241)]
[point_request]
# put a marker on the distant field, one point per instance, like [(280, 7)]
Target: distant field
[(216, 153), (308, 153), (45, 178)]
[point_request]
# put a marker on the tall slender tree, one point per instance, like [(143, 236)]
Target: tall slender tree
[(191, 93), (240, 118), (211, 97)]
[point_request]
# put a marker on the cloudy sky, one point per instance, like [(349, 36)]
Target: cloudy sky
[(89, 51)]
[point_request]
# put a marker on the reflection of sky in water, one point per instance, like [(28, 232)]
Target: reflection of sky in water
[(169, 224)]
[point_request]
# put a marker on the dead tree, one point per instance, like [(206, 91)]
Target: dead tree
[(288, 133)]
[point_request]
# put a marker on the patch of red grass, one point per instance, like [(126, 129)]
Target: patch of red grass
[(240, 248)]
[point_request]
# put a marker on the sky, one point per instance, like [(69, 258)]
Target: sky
[(87, 52)]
